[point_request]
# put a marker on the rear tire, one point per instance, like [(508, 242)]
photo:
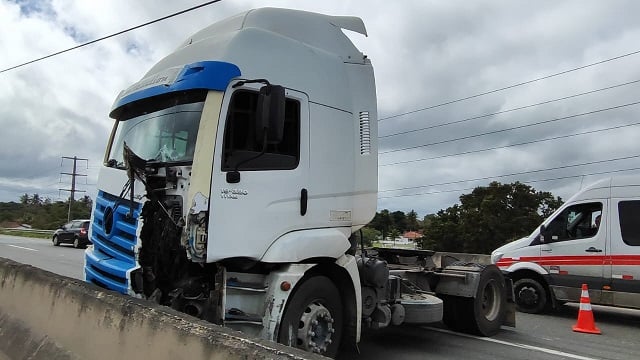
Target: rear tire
[(530, 296), (482, 315), (312, 320), (490, 304), (56, 241)]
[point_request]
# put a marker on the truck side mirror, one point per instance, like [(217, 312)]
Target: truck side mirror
[(270, 114)]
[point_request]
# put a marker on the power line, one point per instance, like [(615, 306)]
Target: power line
[(112, 35), (511, 128), (511, 86), (524, 182), (516, 173), (509, 110), (512, 145)]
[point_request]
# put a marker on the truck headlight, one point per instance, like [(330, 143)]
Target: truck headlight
[(496, 256)]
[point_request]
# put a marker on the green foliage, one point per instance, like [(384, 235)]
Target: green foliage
[(487, 218), (370, 235), (399, 221), (383, 222), (42, 213), (394, 234), (412, 221), (386, 221)]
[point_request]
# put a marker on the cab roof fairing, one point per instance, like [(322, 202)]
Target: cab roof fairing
[(311, 29), (299, 50)]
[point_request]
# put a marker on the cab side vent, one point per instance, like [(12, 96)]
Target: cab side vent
[(365, 133)]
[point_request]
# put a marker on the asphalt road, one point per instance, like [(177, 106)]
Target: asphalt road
[(535, 337), (63, 259)]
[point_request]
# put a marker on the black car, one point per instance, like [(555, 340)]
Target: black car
[(76, 232)]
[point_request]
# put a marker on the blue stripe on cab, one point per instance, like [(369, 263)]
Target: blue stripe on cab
[(210, 75)]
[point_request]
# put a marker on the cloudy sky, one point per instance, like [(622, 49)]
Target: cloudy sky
[(556, 134)]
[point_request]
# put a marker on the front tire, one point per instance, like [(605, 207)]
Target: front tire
[(56, 241), (312, 320), (530, 296)]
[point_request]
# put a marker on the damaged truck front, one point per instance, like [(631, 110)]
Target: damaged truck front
[(237, 176)]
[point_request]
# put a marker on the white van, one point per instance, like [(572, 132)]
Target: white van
[(593, 239)]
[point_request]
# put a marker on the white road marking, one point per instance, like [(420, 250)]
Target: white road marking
[(522, 346), (21, 247)]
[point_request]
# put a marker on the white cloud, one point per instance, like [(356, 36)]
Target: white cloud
[(424, 53)]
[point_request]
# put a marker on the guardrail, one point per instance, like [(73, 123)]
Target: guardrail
[(27, 232)]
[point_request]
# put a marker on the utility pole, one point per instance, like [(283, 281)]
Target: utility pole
[(73, 175)]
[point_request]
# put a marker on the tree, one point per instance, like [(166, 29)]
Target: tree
[(442, 230), (399, 221), (36, 200), (42, 213), (488, 217), (394, 234), (370, 235), (382, 222), (412, 221)]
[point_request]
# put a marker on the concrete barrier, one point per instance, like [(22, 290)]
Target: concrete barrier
[(48, 316), (449, 257)]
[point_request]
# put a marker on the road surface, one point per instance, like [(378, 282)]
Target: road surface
[(535, 337)]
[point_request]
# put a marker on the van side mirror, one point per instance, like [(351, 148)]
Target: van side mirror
[(544, 234), (270, 114)]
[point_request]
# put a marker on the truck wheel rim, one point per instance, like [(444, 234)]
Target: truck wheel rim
[(490, 303), (315, 329)]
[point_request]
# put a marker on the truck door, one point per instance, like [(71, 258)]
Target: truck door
[(624, 259), (575, 248), (267, 202)]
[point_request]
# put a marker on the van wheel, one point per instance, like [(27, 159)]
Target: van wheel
[(530, 296), (312, 320), (56, 241)]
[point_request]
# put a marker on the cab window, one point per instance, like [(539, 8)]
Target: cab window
[(630, 221), (241, 148), (579, 221)]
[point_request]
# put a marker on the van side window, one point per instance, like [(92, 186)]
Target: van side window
[(240, 145), (630, 221), (579, 221)]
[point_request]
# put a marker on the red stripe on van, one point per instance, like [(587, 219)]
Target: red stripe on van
[(621, 260)]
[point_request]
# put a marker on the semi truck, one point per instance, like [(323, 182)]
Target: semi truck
[(236, 180), (593, 239)]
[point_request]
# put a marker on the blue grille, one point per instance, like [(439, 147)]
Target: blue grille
[(114, 239)]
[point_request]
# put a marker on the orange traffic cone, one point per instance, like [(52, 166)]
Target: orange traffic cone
[(585, 324)]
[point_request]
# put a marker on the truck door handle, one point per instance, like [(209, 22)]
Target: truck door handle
[(592, 249), (303, 201)]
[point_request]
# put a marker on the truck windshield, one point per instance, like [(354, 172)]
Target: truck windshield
[(162, 130)]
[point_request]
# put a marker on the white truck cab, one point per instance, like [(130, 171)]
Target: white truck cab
[(593, 239), (238, 173)]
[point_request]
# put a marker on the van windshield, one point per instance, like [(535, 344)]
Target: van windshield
[(160, 130)]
